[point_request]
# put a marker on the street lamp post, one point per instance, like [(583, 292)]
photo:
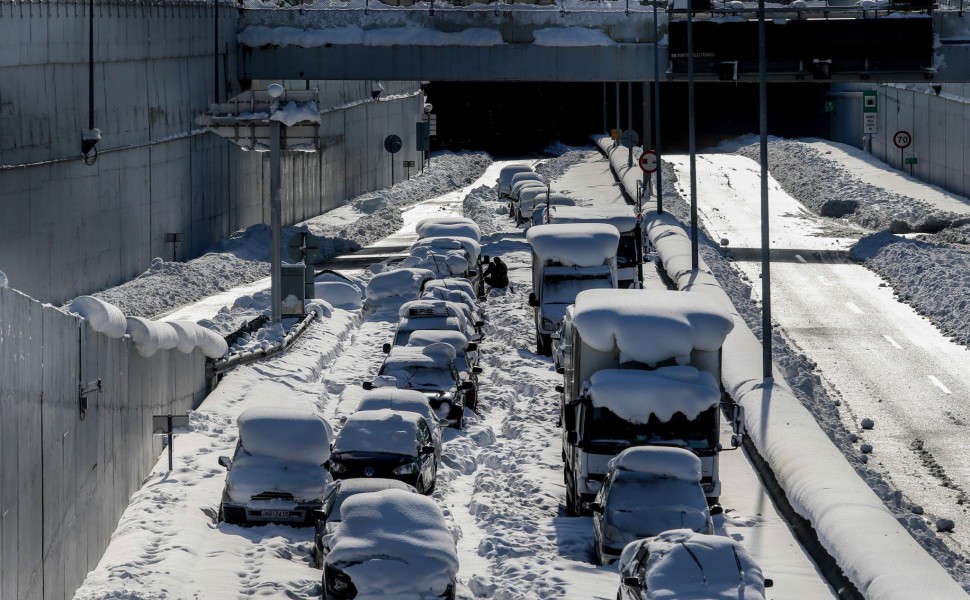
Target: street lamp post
[(275, 91)]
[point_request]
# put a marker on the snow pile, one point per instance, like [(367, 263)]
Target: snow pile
[(338, 294), (394, 544), (635, 395), (691, 566), (192, 335), (256, 36), (675, 323), (480, 204), (574, 245), (292, 113), (448, 227), (658, 461), (571, 36), (288, 433), (382, 430), (101, 316), (403, 284)]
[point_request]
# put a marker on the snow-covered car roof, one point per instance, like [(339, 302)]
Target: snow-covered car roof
[(426, 337), (634, 394), (621, 218), (383, 430), (659, 461), (400, 400), (686, 565), (444, 263), (525, 176), (431, 355), (453, 282), (430, 307), (586, 245), (403, 283), (448, 226), (521, 186), (451, 295), (361, 485), (394, 544), (450, 242), (287, 433), (509, 171), (675, 323)]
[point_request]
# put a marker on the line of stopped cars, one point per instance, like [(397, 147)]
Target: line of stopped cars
[(641, 399), (365, 490)]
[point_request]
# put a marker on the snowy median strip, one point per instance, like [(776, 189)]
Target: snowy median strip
[(875, 552)]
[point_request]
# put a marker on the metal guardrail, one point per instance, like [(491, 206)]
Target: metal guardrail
[(216, 368)]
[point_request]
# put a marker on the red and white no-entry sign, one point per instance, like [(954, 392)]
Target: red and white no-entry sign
[(648, 161)]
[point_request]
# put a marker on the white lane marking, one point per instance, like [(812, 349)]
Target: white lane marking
[(824, 281), (893, 342), (853, 308), (939, 384), (800, 259)]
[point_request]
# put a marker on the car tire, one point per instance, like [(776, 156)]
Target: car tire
[(543, 344), (572, 503)]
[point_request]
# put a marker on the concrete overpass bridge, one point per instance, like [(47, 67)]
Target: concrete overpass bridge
[(584, 41)]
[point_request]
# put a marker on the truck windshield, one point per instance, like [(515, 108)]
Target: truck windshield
[(626, 253), (606, 432), (562, 289)]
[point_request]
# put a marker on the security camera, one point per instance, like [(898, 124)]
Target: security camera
[(377, 90), (427, 108)]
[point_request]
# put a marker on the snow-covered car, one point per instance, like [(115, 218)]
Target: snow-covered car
[(454, 295), (435, 314), (386, 443), (536, 183), (466, 356), (452, 283), (539, 210), (430, 370), (448, 227), (407, 401), (504, 180), (429, 248), (328, 517), (687, 565), (278, 471), (396, 286), (390, 544), (646, 491)]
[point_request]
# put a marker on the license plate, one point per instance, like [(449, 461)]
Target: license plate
[(275, 514)]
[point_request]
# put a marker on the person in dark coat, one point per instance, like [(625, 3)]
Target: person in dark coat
[(496, 274)]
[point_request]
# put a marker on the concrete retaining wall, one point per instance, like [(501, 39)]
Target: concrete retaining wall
[(937, 123), (65, 480), (69, 228)]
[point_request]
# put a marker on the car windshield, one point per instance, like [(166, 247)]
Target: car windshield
[(562, 289), (423, 377), (643, 505), (606, 431)]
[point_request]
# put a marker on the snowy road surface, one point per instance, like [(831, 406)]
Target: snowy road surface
[(880, 358), (500, 482)]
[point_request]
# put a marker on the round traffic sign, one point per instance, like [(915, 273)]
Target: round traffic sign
[(902, 139), (393, 144), (648, 161), (629, 138)]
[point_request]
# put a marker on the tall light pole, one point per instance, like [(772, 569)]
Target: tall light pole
[(275, 91), (656, 107), (692, 138), (766, 330)]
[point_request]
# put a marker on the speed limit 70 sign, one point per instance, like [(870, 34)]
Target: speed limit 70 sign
[(902, 139)]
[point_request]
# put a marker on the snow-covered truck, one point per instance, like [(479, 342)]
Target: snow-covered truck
[(567, 259), (629, 254), (640, 367)]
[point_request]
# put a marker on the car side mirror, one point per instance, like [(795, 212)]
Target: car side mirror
[(769, 583), (533, 300), (477, 370), (560, 370), (386, 348), (427, 449), (717, 509), (560, 389), (471, 346), (367, 385), (226, 462), (634, 581)]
